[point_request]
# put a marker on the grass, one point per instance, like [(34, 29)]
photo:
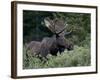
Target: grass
[(80, 56)]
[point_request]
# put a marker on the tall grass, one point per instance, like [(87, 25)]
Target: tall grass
[(80, 56)]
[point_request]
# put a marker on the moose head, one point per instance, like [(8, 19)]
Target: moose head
[(58, 28)]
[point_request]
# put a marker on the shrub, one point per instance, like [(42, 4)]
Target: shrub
[(80, 56)]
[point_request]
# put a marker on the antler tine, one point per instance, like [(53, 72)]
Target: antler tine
[(65, 24), (68, 32), (54, 24)]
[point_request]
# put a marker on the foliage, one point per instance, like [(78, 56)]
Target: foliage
[(80, 56)]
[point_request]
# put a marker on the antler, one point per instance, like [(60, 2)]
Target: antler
[(57, 26), (50, 24)]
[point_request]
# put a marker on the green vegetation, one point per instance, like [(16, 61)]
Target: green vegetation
[(80, 56)]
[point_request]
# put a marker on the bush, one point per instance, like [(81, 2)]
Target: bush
[(80, 56)]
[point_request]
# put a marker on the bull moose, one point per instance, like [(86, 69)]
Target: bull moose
[(52, 45)]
